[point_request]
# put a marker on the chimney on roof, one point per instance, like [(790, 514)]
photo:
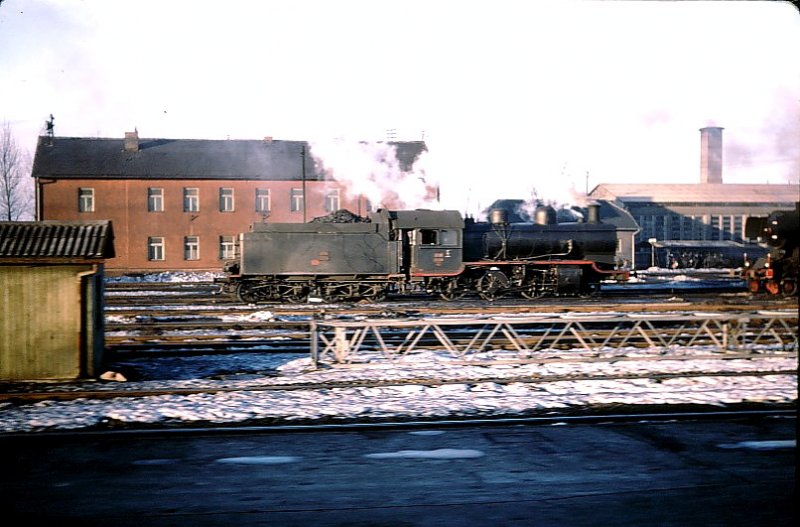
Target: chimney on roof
[(132, 141), (268, 139), (711, 154)]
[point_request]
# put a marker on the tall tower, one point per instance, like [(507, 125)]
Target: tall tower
[(711, 154)]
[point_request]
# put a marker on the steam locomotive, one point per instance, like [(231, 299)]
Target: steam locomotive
[(434, 252), (776, 272)]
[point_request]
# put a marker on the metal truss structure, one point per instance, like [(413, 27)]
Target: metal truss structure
[(523, 339)]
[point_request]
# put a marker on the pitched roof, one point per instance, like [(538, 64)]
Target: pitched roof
[(69, 240), (698, 193), (81, 157)]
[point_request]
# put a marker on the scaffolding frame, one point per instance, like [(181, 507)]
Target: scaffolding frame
[(522, 338)]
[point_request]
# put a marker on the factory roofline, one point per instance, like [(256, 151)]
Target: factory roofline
[(134, 158), (711, 193)]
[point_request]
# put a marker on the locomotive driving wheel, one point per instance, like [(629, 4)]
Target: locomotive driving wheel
[(492, 285), (374, 292), (245, 293), (294, 293), (453, 289), (772, 287), (532, 293)]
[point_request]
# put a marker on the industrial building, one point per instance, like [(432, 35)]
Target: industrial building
[(696, 225), (51, 299), (180, 204)]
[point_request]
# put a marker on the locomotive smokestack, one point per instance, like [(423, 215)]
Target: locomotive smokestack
[(594, 213), (711, 154), (498, 217)]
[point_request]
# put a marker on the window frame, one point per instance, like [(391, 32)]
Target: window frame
[(154, 246), (191, 199), (227, 247), (263, 196), (226, 201), (296, 200), (191, 248), (332, 200), (86, 202), (155, 200)]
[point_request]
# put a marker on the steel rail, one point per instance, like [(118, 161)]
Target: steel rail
[(587, 417), (25, 397)]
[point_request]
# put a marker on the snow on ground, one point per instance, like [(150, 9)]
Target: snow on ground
[(481, 396), (166, 276), (249, 375)]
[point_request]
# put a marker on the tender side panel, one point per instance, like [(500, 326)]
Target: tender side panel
[(348, 249)]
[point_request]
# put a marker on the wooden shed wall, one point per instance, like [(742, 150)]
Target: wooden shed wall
[(48, 321)]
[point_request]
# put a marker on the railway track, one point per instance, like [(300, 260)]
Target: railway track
[(29, 397), (188, 328)]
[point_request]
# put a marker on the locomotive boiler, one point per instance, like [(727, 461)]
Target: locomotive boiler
[(435, 252), (540, 258)]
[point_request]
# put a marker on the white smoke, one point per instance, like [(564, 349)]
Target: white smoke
[(372, 170)]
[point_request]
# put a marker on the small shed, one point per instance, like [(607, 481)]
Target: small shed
[(51, 298)]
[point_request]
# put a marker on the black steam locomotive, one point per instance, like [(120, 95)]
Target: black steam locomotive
[(776, 272), (410, 251)]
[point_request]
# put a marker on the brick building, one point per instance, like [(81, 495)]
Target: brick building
[(180, 204)]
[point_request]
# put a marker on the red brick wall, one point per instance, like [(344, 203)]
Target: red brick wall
[(124, 202)]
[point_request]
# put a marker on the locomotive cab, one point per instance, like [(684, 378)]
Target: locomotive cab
[(435, 252), (431, 242)]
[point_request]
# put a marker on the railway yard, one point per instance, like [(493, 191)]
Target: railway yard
[(192, 357), (672, 404)]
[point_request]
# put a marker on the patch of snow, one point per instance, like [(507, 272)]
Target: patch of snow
[(441, 453), (259, 460), (762, 445), (166, 276)]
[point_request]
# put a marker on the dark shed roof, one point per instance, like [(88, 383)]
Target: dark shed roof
[(56, 239), (80, 157)]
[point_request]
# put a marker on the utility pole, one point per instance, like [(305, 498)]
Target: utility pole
[(303, 161)]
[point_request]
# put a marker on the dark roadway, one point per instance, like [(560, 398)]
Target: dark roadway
[(689, 473)]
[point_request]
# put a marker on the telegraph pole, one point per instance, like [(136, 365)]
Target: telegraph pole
[(303, 161)]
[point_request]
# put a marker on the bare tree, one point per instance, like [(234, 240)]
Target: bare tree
[(15, 192)]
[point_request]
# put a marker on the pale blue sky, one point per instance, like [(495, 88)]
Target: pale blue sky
[(510, 95)]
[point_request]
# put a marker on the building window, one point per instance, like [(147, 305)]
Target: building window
[(332, 200), (155, 248), (191, 247), (191, 200), (227, 247), (674, 227), (86, 200), (226, 200), (716, 228), (738, 228), (296, 200), (262, 200), (686, 228), (155, 200)]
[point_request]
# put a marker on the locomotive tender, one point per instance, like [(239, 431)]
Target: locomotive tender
[(776, 272), (436, 252)]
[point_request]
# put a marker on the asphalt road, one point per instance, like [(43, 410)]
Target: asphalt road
[(687, 473)]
